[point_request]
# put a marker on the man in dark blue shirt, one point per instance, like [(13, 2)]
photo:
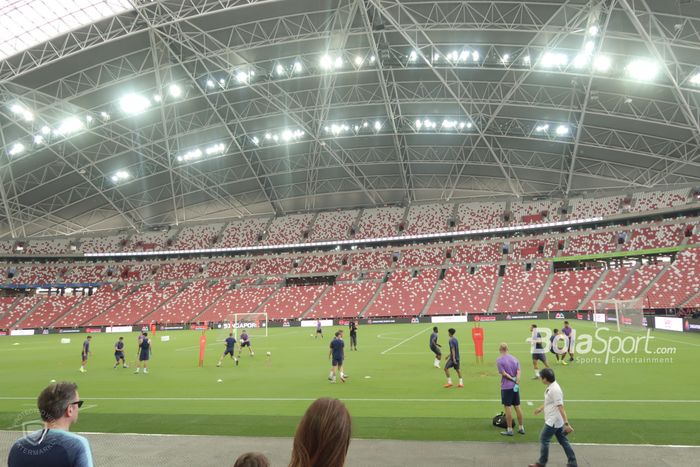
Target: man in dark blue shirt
[(85, 353), (337, 351), (453, 360), (537, 350), (230, 346), (144, 353), (54, 445), (119, 353), (435, 347)]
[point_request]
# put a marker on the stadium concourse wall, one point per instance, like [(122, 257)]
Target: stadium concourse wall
[(672, 323)]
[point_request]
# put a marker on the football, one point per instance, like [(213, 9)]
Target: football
[(268, 354)]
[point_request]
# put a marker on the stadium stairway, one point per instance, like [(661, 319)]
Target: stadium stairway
[(7, 308), (313, 305), (27, 314), (692, 298), (592, 290), (372, 300), (651, 283), (431, 298), (623, 282), (496, 293), (68, 311), (543, 292), (144, 318), (310, 227), (264, 302)]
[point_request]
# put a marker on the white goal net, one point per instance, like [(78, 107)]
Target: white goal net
[(255, 324), (620, 313)]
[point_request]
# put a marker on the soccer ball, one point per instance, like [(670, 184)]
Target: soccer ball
[(268, 354)]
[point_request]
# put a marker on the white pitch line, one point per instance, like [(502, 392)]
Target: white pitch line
[(383, 400), (405, 340)]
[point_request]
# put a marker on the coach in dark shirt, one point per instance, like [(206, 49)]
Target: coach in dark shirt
[(54, 445)]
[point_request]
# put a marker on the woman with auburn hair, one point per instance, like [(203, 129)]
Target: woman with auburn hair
[(323, 435)]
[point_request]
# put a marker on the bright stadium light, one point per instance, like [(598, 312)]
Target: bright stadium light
[(191, 155), (134, 104), (16, 148), (419, 124), (542, 128), (222, 82), (505, 58), (23, 112), (526, 59), (552, 59), (215, 149), (242, 77), (695, 79), (377, 125), (643, 70), (338, 62), (562, 130), (475, 55), (602, 63), (210, 83), (45, 130), (580, 61), (413, 56), (593, 31), (297, 67), (38, 139), (175, 91), (157, 97), (326, 62), (279, 69), (372, 59), (120, 176), (104, 116), (68, 126), (358, 60), (255, 140)]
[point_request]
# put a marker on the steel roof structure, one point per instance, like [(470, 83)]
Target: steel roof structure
[(252, 107)]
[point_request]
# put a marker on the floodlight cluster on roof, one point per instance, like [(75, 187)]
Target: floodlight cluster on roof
[(197, 153), (120, 176), (446, 124), (559, 130), (355, 127)]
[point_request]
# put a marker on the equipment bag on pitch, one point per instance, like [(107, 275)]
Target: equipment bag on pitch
[(500, 420)]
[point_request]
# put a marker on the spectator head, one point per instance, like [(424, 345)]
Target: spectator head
[(252, 459), (555, 331), (435, 329), (89, 337), (547, 376), (503, 348), (230, 335), (566, 323), (451, 331), (323, 435), (59, 403), (338, 333)]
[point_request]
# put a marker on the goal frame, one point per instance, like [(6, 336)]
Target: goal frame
[(606, 306), (234, 322)]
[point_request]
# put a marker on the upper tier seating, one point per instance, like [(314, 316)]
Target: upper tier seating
[(476, 253), (380, 222), (461, 292), (109, 244), (532, 212), (530, 249), (595, 207), (141, 302), (421, 257), (148, 241), (292, 302), (369, 260), (344, 300), (35, 274), (130, 272), (56, 246), (273, 265), (404, 295), (81, 274), (323, 263), (681, 281), (639, 280), (592, 243), (243, 300), (49, 311), (194, 237), (6, 303), (6, 247), (21, 308), (89, 307), (288, 229), (568, 289), (428, 218), (333, 225), (224, 268), (653, 200), (520, 288), (177, 271), (472, 216), (243, 233), (659, 236), (346, 276), (188, 303)]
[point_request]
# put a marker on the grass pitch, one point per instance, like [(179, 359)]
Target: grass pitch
[(393, 391)]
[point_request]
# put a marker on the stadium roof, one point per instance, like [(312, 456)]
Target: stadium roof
[(142, 113)]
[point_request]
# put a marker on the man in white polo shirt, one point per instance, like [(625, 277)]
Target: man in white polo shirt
[(556, 423)]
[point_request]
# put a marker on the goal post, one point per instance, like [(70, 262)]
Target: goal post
[(624, 313), (255, 324)]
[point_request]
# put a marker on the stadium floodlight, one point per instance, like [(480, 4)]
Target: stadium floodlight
[(552, 59), (88, 118), (542, 128), (377, 125), (286, 135), (68, 126), (589, 47), (275, 138), (358, 60), (157, 97), (562, 130), (643, 70), (23, 112), (593, 31), (134, 104), (526, 59), (475, 55), (452, 56), (297, 67), (461, 125), (464, 56), (16, 148), (326, 62), (338, 62), (469, 124), (104, 115), (602, 63), (268, 136), (255, 140), (695, 79), (222, 82), (436, 57), (215, 149), (419, 124), (120, 176), (279, 69), (38, 139), (372, 59), (45, 130), (413, 56), (242, 77), (365, 124), (505, 58), (175, 91), (191, 155), (210, 83), (580, 61)]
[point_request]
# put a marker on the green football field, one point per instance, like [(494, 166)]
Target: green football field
[(393, 390)]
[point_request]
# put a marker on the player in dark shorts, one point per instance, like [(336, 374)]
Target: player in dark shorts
[(145, 349), (435, 347), (85, 353), (453, 360), (337, 351), (230, 348), (119, 353), (353, 334), (245, 342), (538, 353), (571, 337), (319, 330)]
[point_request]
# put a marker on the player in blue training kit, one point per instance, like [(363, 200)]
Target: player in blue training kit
[(435, 347), (245, 342), (84, 355), (337, 351), (453, 360), (230, 348), (119, 353), (145, 350)]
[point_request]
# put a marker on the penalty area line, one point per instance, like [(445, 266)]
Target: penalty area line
[(405, 340)]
